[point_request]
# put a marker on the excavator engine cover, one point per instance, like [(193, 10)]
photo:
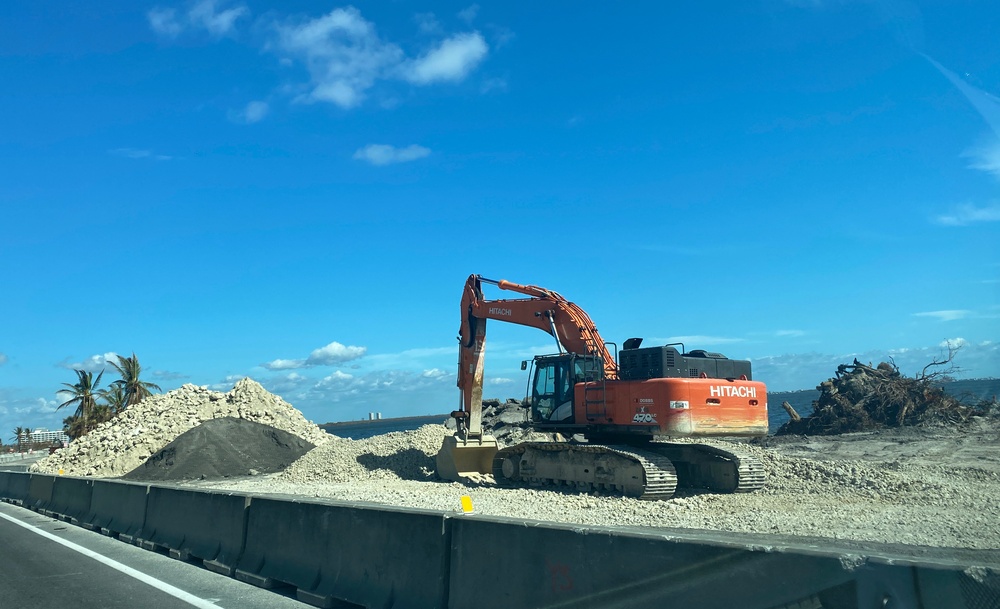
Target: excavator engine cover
[(459, 460)]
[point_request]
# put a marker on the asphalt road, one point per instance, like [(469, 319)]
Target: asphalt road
[(49, 564)]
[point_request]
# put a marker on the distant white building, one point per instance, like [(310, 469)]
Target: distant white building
[(42, 435)]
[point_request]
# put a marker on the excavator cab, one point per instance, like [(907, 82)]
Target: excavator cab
[(552, 388)]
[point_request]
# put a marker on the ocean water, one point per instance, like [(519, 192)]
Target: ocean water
[(359, 430)]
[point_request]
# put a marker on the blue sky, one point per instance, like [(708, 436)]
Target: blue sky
[(297, 191)]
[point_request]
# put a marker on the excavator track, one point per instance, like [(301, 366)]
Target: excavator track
[(711, 467), (635, 472), (652, 472)]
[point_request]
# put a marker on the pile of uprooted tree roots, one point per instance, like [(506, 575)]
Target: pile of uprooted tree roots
[(862, 398)]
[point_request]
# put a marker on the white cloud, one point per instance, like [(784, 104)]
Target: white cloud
[(227, 383), (469, 14), (204, 14), (986, 158), (794, 371), (3, 359), (433, 373), (986, 104), (166, 375), (494, 84), (964, 215), (334, 353), (137, 153), (452, 60), (18, 410), (218, 23), (335, 381), (94, 363), (954, 343), (696, 341), (164, 22), (340, 386), (254, 112), (427, 23), (330, 355), (384, 154), (947, 315), (500, 381), (285, 364), (343, 53), (790, 333)]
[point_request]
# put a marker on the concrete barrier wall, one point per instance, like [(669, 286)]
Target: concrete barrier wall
[(39, 491), (17, 486), (71, 497), (334, 553), (4, 484), (370, 556), (555, 565), (205, 525), (117, 508)]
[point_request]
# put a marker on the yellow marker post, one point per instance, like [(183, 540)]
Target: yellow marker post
[(60, 472), (467, 505)]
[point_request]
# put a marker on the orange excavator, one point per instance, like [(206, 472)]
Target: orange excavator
[(623, 407)]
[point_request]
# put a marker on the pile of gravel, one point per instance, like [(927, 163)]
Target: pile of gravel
[(120, 445), (223, 448), (400, 455)]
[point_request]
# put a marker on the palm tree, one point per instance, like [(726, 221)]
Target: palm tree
[(114, 397), (102, 413), (18, 437), (27, 438), (84, 393), (74, 426), (135, 390)]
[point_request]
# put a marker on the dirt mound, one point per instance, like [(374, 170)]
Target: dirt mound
[(222, 448), (863, 398), (125, 442)]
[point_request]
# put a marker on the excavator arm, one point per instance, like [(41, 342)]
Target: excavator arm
[(467, 451)]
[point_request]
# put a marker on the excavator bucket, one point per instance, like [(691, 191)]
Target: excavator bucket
[(460, 460)]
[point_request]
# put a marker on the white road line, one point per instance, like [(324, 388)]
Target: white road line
[(146, 579)]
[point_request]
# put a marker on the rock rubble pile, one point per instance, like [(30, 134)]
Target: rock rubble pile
[(406, 455), (118, 446)]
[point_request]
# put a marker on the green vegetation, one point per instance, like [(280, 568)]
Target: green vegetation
[(21, 435), (119, 395), (134, 389)]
